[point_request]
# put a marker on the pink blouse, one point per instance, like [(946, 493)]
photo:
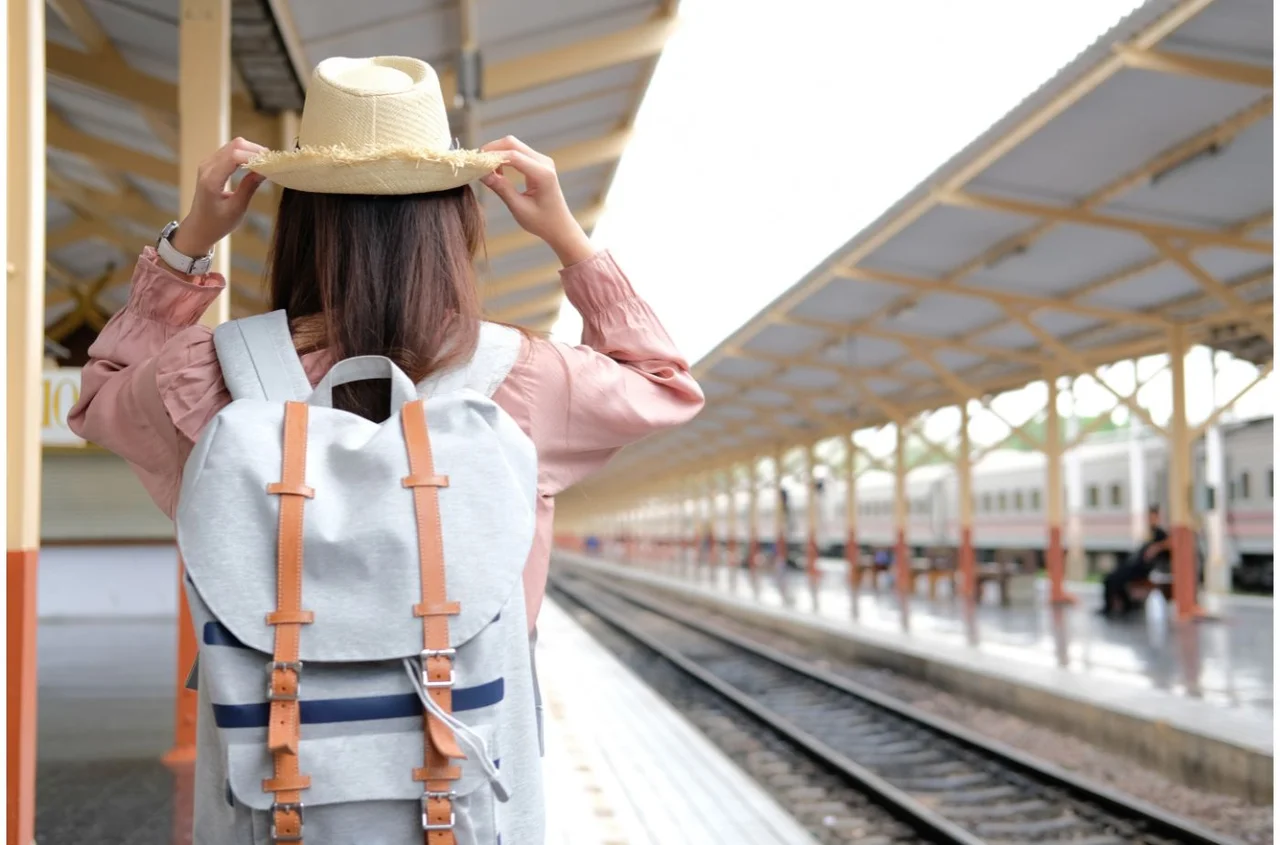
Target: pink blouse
[(153, 383)]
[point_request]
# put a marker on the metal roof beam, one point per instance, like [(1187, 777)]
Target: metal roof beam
[(114, 76), (1215, 288), (1200, 67), (1063, 214), (524, 72)]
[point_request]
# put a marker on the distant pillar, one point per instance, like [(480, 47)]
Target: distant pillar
[(964, 489), (1076, 569), (811, 513), (901, 561), (851, 553), (1138, 529), (1054, 562), (1217, 576), (779, 513), (1181, 533), (731, 493), (753, 514)]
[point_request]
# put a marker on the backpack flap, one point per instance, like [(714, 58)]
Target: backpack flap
[(361, 571)]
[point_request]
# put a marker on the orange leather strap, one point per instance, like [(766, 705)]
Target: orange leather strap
[(437, 775), (285, 670)]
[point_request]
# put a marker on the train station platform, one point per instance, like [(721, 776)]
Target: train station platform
[(1192, 701), (614, 749)]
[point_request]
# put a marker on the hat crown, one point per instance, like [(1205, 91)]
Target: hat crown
[(389, 102)]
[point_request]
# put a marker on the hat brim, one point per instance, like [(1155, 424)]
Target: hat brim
[(338, 170)]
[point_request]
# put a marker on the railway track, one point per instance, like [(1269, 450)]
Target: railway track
[(945, 782)]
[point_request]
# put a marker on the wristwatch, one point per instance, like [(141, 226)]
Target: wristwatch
[(182, 263)]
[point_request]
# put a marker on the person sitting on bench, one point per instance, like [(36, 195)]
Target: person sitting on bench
[(1154, 553)]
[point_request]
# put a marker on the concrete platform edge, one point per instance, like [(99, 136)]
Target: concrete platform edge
[(1202, 754)]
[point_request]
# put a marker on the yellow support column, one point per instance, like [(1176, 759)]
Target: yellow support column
[(779, 513), (901, 563), (1181, 535), (1055, 562), (731, 545), (753, 514), (204, 121), (964, 493), (24, 299), (851, 553), (811, 513)]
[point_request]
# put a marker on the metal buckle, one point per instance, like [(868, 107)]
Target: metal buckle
[(428, 653), (292, 666), (426, 822), (286, 807)]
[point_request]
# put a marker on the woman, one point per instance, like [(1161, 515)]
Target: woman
[(387, 275), (375, 237)]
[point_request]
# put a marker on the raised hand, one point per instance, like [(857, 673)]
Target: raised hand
[(215, 211), (540, 208)]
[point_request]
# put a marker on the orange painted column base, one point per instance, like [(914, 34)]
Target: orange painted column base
[(732, 554), (811, 559), (902, 564), (20, 677), (1056, 564), (185, 700), (967, 565), (851, 556), (1183, 557)]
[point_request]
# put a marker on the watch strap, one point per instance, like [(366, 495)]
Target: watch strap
[(184, 264)]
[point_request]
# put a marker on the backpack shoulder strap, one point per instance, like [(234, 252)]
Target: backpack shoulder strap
[(495, 355), (259, 361)]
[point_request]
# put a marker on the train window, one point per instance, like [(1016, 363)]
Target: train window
[(1117, 496), (986, 502), (1271, 484), (1244, 485), (1231, 489), (1035, 500), (1017, 500), (1093, 496), (1004, 501)]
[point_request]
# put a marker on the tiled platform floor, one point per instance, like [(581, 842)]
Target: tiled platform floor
[(1221, 671)]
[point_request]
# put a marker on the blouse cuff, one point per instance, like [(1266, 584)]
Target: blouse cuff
[(160, 295), (596, 284)]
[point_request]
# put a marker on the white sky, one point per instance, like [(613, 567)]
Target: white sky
[(773, 133)]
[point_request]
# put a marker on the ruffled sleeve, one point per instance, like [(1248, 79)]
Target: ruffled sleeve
[(153, 382)]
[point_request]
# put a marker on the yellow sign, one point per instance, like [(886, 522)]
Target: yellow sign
[(61, 393)]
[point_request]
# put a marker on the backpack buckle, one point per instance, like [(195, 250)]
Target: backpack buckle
[(427, 654), (294, 666), (426, 819), (286, 807)]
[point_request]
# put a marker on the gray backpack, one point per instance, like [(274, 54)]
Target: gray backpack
[(365, 672)]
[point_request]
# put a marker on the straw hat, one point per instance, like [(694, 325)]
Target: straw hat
[(374, 126)]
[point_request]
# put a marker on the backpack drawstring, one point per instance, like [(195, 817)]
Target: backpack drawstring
[(473, 744)]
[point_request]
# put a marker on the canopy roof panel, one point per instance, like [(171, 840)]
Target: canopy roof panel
[(1129, 193)]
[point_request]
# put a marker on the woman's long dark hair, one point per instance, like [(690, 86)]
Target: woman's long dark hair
[(380, 275)]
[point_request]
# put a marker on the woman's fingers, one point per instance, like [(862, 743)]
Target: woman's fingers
[(501, 186), (514, 144), (218, 169), (247, 188)]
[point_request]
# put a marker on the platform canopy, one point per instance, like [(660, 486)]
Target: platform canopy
[(565, 77), (1131, 192)]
